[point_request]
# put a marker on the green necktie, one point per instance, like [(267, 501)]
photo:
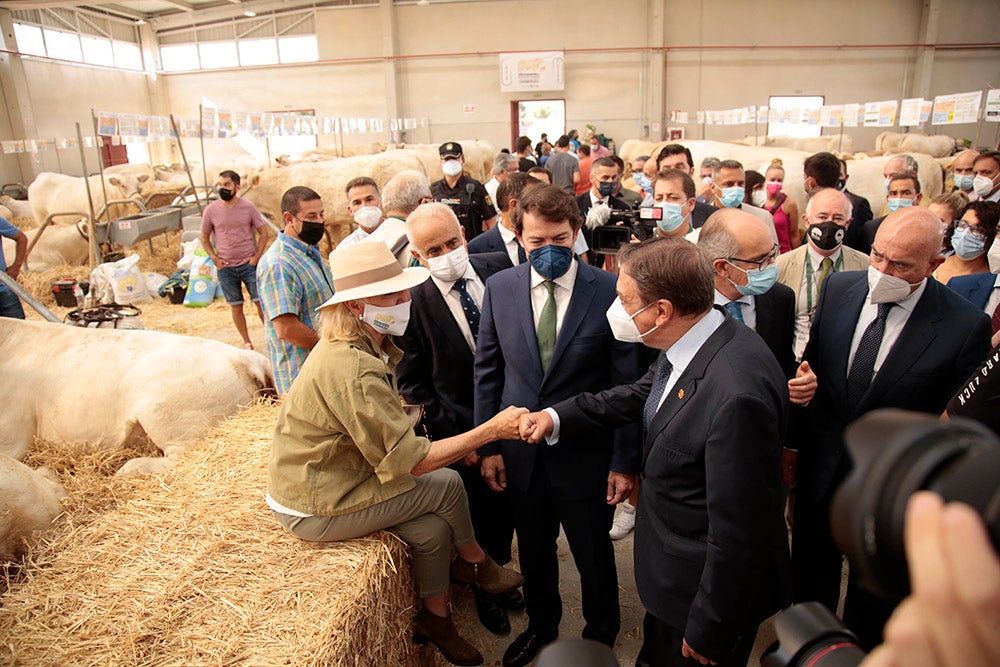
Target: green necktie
[(824, 270), (547, 326)]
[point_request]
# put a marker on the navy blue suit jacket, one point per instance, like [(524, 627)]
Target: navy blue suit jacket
[(943, 342), (976, 288), (436, 368), (489, 241), (711, 550), (586, 357)]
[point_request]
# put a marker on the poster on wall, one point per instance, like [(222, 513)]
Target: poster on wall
[(675, 133), (831, 116), (881, 114), (852, 115), (107, 124), (909, 112), (957, 108), (538, 70), (992, 114)]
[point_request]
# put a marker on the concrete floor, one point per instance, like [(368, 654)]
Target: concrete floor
[(629, 638)]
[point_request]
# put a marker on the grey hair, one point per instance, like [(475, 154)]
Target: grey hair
[(726, 164), (909, 163), (503, 163), (844, 199), (429, 211), (404, 191), (710, 163), (715, 239)]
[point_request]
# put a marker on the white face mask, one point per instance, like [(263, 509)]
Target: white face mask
[(982, 185), (887, 289), (451, 167), (389, 320), (451, 266), (758, 198), (623, 325), (368, 217)]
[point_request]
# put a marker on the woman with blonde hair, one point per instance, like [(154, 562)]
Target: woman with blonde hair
[(782, 207), (346, 462)]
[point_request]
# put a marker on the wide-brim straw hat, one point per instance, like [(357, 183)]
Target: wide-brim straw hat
[(369, 269)]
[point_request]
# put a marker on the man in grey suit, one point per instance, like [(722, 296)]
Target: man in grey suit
[(711, 552)]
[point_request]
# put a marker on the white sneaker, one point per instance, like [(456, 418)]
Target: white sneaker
[(624, 522)]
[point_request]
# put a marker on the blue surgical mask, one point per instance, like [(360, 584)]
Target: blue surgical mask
[(967, 245), (964, 182), (551, 261), (606, 188), (759, 281), (647, 186), (885, 186), (896, 203), (673, 217), (732, 197)]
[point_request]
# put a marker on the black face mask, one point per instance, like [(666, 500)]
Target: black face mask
[(311, 232), (826, 235), (225, 194)]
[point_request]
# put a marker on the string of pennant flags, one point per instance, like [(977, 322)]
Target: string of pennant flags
[(122, 128)]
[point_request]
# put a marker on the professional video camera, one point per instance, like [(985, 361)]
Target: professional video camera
[(611, 227), (895, 454)]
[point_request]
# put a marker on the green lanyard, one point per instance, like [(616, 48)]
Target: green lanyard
[(838, 266)]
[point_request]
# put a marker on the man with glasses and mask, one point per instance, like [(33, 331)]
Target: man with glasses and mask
[(826, 220), (889, 338), (543, 337), (294, 281)]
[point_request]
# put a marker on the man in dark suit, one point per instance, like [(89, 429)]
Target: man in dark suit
[(711, 551), (603, 182), (502, 238), (436, 372), (544, 337), (823, 170), (979, 288), (860, 207), (891, 338), (675, 156)]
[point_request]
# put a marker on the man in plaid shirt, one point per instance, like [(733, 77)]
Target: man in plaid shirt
[(293, 281)]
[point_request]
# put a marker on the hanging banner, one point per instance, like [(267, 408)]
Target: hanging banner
[(539, 70), (831, 116), (881, 114), (107, 124), (852, 113), (909, 112), (225, 124), (958, 108), (992, 114)]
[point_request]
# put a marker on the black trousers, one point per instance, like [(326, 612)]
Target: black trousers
[(491, 516), (661, 647), (537, 516)]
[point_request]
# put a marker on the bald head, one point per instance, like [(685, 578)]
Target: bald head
[(729, 238), (908, 245), (830, 200), (964, 161)]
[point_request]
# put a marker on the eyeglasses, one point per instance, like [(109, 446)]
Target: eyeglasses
[(974, 230), (760, 263)]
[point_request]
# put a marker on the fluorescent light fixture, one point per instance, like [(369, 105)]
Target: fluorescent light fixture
[(249, 14)]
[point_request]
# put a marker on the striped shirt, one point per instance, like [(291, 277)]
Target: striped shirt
[(291, 279)]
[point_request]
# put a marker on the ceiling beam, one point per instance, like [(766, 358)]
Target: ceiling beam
[(227, 11), (180, 4)]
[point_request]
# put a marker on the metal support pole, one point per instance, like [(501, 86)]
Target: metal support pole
[(197, 199), (26, 296), (201, 141), (100, 160), (90, 199)]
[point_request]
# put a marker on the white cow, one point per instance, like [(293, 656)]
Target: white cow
[(935, 145), (59, 245), (57, 193), (105, 388), (29, 503), (18, 208)]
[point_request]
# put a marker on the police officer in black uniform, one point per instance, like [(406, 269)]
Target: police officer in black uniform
[(466, 196)]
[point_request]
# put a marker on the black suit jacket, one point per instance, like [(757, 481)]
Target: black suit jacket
[(775, 310), (436, 368), (711, 551), (942, 343), (868, 231), (596, 259), (489, 241), (976, 287), (700, 213)]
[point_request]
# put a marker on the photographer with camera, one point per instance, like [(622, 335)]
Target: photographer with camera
[(891, 338), (603, 182)]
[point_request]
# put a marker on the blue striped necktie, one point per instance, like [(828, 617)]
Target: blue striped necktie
[(663, 369)]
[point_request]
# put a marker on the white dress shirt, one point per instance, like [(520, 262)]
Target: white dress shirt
[(748, 307), (452, 297), (809, 292), (491, 189), (562, 294), (510, 243), (894, 323)]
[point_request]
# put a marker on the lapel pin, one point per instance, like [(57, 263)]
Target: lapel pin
[(680, 394)]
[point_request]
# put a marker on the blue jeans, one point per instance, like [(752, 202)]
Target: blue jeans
[(232, 279), (10, 305)]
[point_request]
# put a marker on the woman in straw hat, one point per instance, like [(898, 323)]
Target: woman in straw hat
[(345, 461)]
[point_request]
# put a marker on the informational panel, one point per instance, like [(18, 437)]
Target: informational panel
[(993, 106), (538, 70), (958, 108), (881, 114)]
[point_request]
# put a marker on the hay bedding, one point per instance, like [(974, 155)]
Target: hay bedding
[(190, 568)]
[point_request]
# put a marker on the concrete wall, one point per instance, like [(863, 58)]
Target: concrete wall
[(617, 77)]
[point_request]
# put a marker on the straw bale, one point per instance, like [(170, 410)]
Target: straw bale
[(189, 568)]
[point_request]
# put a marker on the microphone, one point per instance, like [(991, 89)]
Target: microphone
[(470, 188), (598, 216)]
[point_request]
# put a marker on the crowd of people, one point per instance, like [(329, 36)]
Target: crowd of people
[(691, 379)]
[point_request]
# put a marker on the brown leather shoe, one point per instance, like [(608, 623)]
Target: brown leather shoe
[(487, 575), (441, 632)]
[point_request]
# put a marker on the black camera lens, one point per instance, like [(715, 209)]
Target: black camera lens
[(896, 453), (810, 636)]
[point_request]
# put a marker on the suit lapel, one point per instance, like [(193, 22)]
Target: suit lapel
[(763, 305), (522, 309), (442, 319), (844, 315), (980, 295), (579, 306), (796, 271)]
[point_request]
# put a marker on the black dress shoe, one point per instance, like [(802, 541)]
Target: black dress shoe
[(511, 600), (524, 649), (491, 614)]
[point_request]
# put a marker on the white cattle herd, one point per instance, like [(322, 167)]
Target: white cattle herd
[(105, 389)]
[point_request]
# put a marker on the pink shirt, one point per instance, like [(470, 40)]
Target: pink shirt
[(599, 152), (233, 228)]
